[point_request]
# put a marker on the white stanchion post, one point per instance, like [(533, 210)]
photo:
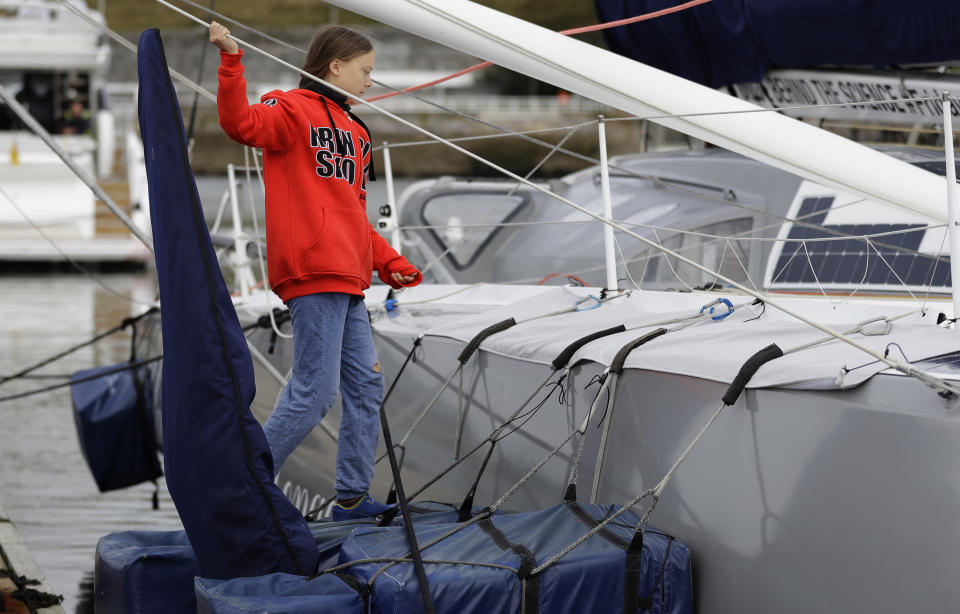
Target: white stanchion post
[(609, 255), (953, 222), (243, 276), (389, 220)]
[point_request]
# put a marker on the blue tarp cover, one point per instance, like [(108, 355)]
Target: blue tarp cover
[(277, 594), (144, 572), (738, 41), (218, 465), (589, 579), (152, 572), (115, 426)]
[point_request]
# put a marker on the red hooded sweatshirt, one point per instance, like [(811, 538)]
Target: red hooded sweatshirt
[(316, 157)]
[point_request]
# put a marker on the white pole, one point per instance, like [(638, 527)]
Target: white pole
[(609, 255), (243, 277), (953, 222), (392, 217)]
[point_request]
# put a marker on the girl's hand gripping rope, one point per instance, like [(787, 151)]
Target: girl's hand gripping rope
[(220, 36)]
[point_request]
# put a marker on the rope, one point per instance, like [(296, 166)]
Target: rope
[(130, 46), (654, 492), (495, 167), (125, 367), (76, 265), (778, 109), (97, 337), (512, 191), (581, 30), (384, 559), (495, 435), (607, 419), (940, 385), (489, 439), (859, 328), (695, 233)]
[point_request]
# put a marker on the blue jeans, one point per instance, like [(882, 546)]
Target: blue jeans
[(332, 349)]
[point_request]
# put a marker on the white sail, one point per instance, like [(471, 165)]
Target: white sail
[(644, 91)]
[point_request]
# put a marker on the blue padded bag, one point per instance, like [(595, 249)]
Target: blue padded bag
[(277, 594), (498, 553), (144, 572)]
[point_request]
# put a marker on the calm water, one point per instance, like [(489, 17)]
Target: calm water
[(45, 486)]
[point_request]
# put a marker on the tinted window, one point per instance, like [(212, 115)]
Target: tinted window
[(457, 219)]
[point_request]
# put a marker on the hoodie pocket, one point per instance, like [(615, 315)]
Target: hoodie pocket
[(343, 246)]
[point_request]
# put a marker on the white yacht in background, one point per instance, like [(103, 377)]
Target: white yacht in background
[(55, 65)]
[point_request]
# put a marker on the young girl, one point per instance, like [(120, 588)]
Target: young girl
[(321, 249)]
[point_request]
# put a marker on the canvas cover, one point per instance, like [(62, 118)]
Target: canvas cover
[(114, 418), (218, 464), (591, 578), (277, 594), (737, 41), (712, 349), (144, 572)]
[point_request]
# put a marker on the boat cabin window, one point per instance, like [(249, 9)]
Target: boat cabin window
[(723, 255), (465, 223), (59, 101)]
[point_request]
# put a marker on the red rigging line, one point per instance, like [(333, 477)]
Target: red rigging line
[(581, 30)]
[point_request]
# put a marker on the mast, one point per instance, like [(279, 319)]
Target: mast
[(638, 89)]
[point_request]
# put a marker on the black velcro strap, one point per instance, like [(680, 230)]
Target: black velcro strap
[(591, 522), (571, 494), (478, 339), (750, 367), (386, 519), (564, 357), (361, 587), (616, 366), (631, 577), (466, 508), (531, 583)]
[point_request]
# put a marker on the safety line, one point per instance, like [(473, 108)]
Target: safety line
[(507, 132), (899, 365), (125, 367), (570, 32), (128, 45), (97, 337)]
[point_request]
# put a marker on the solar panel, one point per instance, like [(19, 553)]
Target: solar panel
[(852, 261)]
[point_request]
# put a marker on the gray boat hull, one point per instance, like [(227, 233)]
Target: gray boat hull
[(794, 500)]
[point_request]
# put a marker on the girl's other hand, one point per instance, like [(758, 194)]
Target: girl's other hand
[(403, 279)]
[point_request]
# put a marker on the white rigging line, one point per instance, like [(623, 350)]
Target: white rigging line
[(505, 131), (438, 258), (933, 272), (897, 364), (128, 45), (778, 109), (66, 257)]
